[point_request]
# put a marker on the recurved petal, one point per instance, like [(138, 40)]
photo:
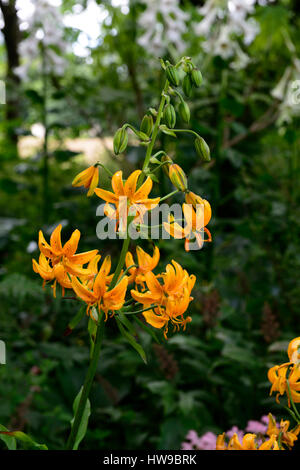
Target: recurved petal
[(83, 292), (144, 190), (94, 182), (107, 196), (71, 245), (44, 247), (130, 185), (117, 183), (145, 299), (153, 285), (101, 278), (154, 320), (149, 204), (48, 275), (174, 230), (55, 240), (77, 270), (82, 258)]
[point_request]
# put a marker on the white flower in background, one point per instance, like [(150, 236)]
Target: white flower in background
[(288, 92), (222, 21), (163, 23), (45, 28)]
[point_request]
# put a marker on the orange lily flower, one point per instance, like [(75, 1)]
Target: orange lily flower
[(277, 375), (146, 263), (196, 222), (137, 199), (88, 178), (59, 263), (172, 297), (287, 437), (248, 443), (99, 295)]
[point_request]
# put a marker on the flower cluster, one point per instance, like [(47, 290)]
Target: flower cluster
[(208, 440), (224, 20), (162, 298), (272, 437), (285, 378), (163, 23)]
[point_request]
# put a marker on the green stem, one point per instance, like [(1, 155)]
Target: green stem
[(156, 126), (121, 262), (190, 131), (169, 195), (87, 383), (140, 311)]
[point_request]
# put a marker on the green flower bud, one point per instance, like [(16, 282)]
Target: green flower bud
[(184, 112), (178, 177), (170, 116), (120, 140), (202, 149), (147, 124), (187, 86), (196, 77), (172, 75)]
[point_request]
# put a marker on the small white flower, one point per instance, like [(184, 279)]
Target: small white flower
[(163, 23)]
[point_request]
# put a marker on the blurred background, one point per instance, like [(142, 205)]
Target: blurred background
[(72, 72)]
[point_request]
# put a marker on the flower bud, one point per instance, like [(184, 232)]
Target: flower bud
[(184, 112), (170, 116), (178, 177), (192, 198), (196, 77), (202, 149), (147, 124), (172, 75), (187, 86), (120, 140)]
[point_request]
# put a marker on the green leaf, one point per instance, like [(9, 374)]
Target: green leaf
[(132, 341), (9, 441), (75, 320), (84, 421), (25, 439), (166, 130), (126, 323)]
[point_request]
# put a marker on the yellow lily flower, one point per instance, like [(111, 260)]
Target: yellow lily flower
[(59, 263), (248, 443), (170, 299), (146, 263), (88, 178), (278, 376), (195, 224), (287, 437), (99, 295), (137, 199)]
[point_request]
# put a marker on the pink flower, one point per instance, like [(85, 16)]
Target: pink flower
[(235, 430), (256, 427)]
